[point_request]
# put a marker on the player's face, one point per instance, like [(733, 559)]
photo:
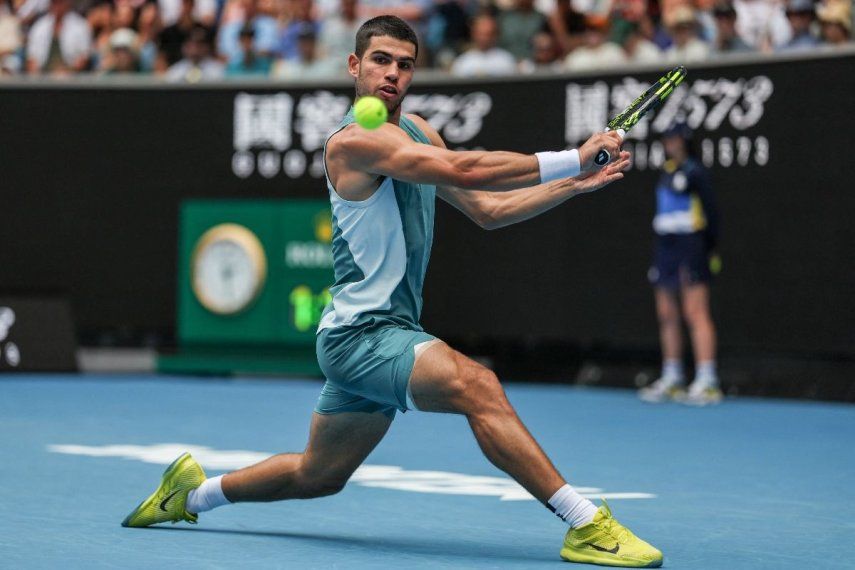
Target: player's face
[(385, 70)]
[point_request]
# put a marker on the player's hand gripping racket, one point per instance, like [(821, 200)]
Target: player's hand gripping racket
[(643, 104)]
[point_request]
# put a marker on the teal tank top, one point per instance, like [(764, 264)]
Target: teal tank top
[(381, 247)]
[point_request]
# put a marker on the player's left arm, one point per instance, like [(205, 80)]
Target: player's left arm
[(492, 210)]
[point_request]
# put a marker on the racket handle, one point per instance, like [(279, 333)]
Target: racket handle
[(603, 157)]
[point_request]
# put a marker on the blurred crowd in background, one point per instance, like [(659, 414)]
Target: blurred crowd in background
[(192, 40)]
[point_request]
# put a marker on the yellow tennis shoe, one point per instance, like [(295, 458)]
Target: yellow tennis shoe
[(606, 542), (167, 503)]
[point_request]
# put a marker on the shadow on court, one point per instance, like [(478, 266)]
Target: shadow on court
[(438, 547)]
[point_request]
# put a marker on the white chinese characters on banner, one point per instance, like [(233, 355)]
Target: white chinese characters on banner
[(704, 105), (318, 115), (264, 127), (262, 121), (283, 135), (587, 110)]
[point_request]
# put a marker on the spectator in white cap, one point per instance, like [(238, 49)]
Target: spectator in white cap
[(836, 20), (123, 57)]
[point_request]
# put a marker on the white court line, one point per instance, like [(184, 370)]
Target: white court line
[(378, 476)]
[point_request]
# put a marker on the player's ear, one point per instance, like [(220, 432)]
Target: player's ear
[(353, 65)]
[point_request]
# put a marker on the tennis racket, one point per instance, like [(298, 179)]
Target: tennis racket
[(643, 104)]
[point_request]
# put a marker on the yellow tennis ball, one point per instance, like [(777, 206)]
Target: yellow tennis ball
[(370, 112)]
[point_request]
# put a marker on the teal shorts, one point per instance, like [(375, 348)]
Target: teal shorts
[(367, 368)]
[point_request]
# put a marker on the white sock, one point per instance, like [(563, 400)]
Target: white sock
[(672, 369), (705, 372), (571, 507), (209, 495)]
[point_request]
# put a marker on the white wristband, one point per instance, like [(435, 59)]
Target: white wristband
[(555, 165)]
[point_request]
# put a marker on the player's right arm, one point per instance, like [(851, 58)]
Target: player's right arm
[(389, 151)]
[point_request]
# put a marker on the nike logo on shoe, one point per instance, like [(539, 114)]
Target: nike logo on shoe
[(166, 500), (601, 549)]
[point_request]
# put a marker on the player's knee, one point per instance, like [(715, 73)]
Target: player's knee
[(489, 385), (472, 388), (318, 481), (485, 392)]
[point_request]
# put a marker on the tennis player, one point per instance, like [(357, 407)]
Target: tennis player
[(376, 357)]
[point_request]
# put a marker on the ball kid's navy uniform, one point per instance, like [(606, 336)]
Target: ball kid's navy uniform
[(686, 225)]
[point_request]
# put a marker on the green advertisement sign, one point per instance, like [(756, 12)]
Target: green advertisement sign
[(253, 273)]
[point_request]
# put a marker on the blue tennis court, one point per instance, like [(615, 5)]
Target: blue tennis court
[(749, 484)]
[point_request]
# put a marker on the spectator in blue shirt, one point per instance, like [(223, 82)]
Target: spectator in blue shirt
[(800, 14), (247, 61), (290, 36), (263, 27)]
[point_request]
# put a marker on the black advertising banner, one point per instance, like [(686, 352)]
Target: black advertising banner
[(92, 180)]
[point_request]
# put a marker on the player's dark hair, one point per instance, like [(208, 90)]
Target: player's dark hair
[(391, 26)]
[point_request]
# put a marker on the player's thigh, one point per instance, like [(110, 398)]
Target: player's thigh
[(339, 443), (444, 380)]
